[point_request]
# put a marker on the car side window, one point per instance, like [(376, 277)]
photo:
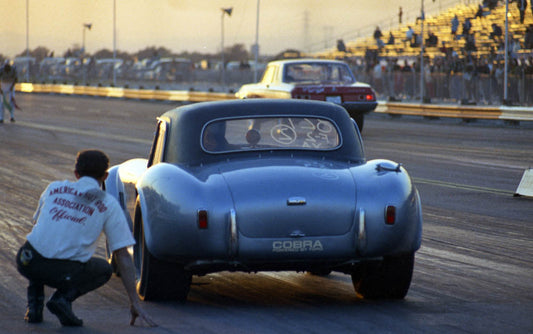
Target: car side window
[(158, 147)]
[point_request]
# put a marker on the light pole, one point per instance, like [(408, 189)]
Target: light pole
[(114, 42), (506, 57), (422, 18), (223, 67), (28, 41), (256, 45), (85, 26)]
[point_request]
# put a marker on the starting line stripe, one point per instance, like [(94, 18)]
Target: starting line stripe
[(463, 186), (84, 132)]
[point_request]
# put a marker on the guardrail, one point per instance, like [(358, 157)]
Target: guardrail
[(127, 93), (507, 113)]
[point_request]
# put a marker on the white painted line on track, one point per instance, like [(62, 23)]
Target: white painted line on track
[(84, 132), (463, 186)]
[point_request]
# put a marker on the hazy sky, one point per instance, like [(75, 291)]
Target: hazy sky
[(193, 25)]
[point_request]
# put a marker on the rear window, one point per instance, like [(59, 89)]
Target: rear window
[(318, 73), (270, 133)]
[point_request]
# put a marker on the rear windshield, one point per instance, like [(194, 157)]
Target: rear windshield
[(318, 73), (270, 133)]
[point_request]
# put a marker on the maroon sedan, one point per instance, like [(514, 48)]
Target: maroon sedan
[(314, 79)]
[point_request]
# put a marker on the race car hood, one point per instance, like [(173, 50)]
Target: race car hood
[(299, 200)]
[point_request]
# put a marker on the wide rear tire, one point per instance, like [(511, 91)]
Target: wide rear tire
[(389, 279), (111, 260), (156, 279)]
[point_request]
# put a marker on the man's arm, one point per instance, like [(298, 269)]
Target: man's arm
[(127, 274)]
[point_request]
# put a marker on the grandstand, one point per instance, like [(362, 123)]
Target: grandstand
[(440, 25)]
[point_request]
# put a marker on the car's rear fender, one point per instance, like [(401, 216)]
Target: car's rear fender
[(170, 198), (121, 184), (112, 183), (380, 184)]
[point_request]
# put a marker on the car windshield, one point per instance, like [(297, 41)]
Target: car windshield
[(318, 73), (270, 133)]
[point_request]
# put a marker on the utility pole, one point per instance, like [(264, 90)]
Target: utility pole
[(85, 26), (505, 92), (114, 42), (28, 41), (256, 45), (422, 83), (306, 31), (223, 65), (328, 32)]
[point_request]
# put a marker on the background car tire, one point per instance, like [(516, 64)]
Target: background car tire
[(158, 280), (111, 260), (388, 279), (320, 272)]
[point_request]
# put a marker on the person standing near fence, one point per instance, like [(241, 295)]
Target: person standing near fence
[(528, 39), (8, 79), (455, 25), (522, 6), (409, 34)]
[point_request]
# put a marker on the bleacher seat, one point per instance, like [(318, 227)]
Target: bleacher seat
[(440, 25)]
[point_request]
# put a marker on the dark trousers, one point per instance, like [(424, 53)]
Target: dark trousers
[(71, 278)]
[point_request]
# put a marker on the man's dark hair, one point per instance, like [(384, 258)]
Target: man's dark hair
[(93, 163)]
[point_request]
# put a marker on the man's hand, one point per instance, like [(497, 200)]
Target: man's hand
[(126, 268), (144, 318)]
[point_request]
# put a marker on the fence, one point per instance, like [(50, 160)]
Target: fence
[(464, 88)]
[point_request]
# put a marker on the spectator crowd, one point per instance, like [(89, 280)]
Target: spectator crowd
[(453, 70)]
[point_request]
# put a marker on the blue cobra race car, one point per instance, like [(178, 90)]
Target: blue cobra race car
[(266, 185)]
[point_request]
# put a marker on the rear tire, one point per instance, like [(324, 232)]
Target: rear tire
[(388, 279), (156, 279), (320, 272), (111, 260)]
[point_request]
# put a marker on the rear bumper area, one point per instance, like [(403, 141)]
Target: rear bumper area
[(358, 108), (204, 267)]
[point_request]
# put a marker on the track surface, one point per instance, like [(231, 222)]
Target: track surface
[(473, 274)]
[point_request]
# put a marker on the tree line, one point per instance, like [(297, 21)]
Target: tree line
[(237, 52)]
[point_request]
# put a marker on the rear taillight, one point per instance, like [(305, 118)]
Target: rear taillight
[(369, 97), (202, 219), (390, 215)]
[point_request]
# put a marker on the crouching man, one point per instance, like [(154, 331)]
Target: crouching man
[(59, 250)]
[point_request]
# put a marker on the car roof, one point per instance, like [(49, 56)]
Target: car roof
[(306, 60), (187, 122)]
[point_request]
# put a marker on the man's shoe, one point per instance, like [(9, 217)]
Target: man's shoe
[(34, 314), (12, 120), (62, 309)]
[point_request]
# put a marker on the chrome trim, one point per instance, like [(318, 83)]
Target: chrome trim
[(296, 200), (297, 234), (362, 231), (382, 167), (233, 232)]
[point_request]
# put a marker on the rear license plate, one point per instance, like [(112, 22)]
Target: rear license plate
[(335, 99)]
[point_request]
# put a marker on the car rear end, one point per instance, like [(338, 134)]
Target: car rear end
[(292, 215), (358, 98)]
